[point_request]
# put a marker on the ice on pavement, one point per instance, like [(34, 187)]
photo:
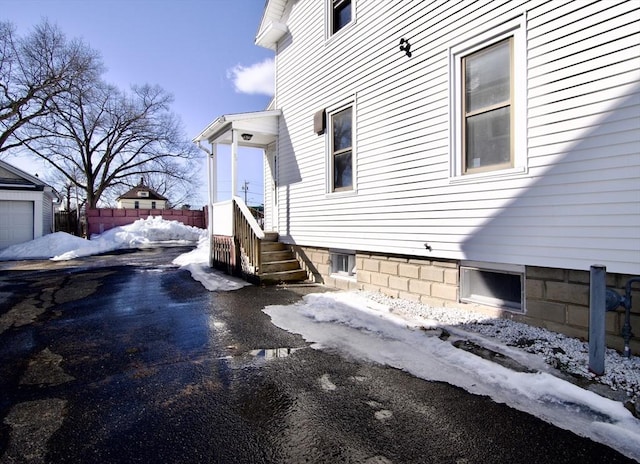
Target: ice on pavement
[(355, 324)]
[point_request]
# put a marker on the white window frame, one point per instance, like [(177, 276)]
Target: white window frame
[(515, 29), (351, 263), (510, 269), (329, 148), (329, 19)]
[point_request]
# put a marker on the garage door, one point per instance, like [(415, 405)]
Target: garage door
[(16, 222)]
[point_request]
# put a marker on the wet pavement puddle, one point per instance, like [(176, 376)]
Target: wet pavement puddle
[(326, 384), (273, 353)]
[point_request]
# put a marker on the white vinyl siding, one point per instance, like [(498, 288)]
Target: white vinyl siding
[(270, 182), (47, 216), (577, 202)]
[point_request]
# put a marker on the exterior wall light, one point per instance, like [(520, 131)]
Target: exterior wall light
[(405, 46)]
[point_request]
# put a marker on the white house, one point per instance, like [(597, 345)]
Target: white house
[(458, 153), (141, 197), (26, 206)]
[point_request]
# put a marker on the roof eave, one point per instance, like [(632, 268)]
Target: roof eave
[(218, 125), (19, 172), (224, 124), (269, 36)]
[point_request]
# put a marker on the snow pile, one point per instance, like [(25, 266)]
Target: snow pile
[(409, 336), (567, 354), (45, 247), (197, 263), (143, 233), (149, 232), (146, 232)]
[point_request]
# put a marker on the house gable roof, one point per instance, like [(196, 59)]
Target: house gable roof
[(13, 177), (133, 193)]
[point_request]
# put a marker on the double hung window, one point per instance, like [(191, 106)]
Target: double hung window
[(341, 14), (488, 103), (341, 149), (488, 108)]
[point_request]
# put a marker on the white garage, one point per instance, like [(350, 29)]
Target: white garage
[(26, 206), (20, 228)]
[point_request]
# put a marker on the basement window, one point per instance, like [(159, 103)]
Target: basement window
[(498, 286), (343, 263)]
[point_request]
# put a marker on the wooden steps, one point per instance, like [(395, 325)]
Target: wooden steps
[(278, 262)]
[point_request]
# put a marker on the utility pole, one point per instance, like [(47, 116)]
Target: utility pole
[(245, 188)]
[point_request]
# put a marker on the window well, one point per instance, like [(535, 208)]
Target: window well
[(343, 263), (492, 287)]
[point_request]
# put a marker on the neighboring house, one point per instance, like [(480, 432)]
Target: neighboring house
[(480, 154), (26, 206), (141, 197)]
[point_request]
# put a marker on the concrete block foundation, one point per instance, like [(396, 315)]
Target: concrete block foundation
[(555, 299)]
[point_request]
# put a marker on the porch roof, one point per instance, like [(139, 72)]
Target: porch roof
[(261, 126)]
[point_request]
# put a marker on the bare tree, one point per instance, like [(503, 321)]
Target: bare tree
[(113, 138), (35, 70)]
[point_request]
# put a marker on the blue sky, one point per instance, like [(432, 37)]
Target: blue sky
[(201, 51)]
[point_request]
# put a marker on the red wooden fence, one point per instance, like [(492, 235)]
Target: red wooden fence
[(102, 219)]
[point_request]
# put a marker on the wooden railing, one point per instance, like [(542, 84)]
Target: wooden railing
[(248, 236), (223, 254)]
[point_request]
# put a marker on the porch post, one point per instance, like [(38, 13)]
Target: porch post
[(212, 189), (234, 163), (214, 173)]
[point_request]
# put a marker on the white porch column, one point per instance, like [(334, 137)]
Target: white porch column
[(212, 183), (234, 163), (214, 173)]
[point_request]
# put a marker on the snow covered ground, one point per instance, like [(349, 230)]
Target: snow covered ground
[(149, 232), (437, 344)]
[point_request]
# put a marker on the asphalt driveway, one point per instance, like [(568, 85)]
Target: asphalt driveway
[(125, 358)]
